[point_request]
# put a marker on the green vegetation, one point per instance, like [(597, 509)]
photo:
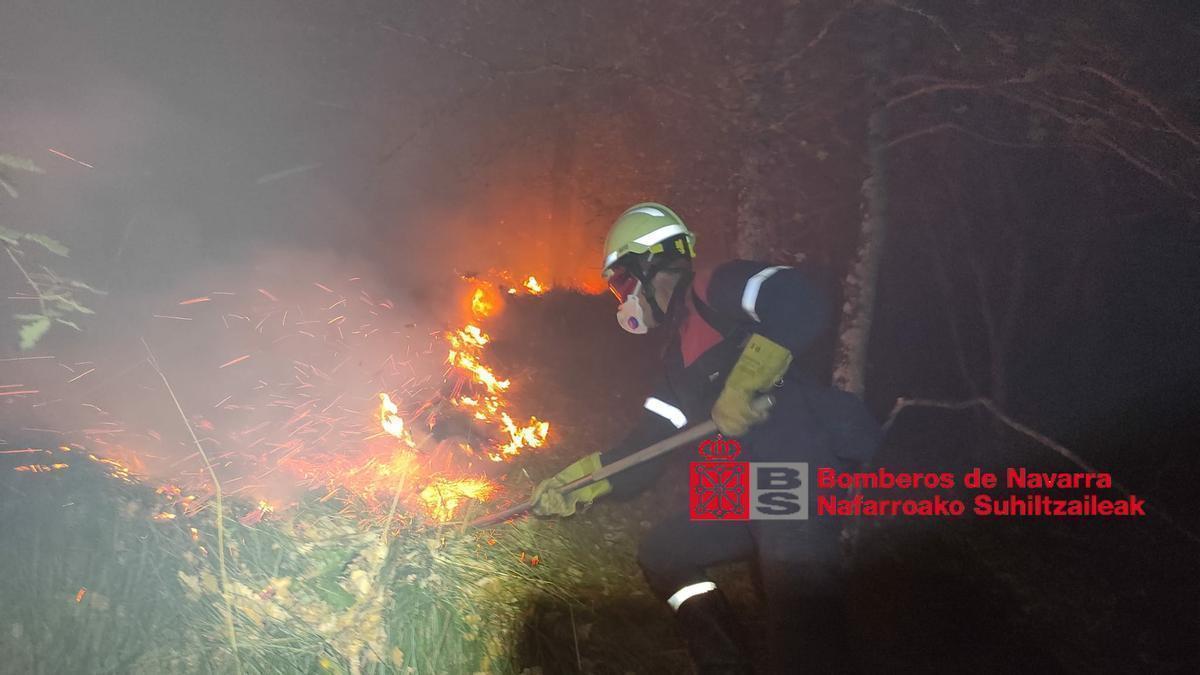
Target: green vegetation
[(57, 297), (99, 573)]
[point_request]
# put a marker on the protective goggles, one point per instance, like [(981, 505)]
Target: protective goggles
[(622, 284)]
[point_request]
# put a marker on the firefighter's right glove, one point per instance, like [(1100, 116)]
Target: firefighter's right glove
[(760, 366), (549, 499)]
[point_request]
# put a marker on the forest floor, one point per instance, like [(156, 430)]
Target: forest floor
[(927, 595)]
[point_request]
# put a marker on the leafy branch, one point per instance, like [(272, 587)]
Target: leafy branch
[(57, 297), (18, 164)]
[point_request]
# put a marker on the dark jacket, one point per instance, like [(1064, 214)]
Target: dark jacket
[(810, 422)]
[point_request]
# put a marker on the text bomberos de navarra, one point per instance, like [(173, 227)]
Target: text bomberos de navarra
[(1047, 501)]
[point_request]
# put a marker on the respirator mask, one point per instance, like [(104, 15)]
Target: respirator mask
[(627, 288)]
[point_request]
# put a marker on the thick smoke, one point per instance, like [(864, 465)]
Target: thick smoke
[(280, 360)]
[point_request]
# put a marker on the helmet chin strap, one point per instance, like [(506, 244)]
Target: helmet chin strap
[(661, 316), (630, 315)]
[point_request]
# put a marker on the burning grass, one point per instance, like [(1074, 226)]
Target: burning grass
[(93, 581), (289, 387), (370, 569)]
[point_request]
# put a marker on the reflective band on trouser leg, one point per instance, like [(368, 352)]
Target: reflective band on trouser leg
[(681, 596), (663, 409), (750, 295)]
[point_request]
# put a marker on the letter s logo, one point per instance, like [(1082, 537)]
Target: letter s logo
[(778, 504)]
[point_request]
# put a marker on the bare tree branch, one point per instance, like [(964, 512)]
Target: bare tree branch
[(1143, 164), (1105, 111), (1145, 101), (789, 61), (931, 18), (1087, 126), (940, 84), (951, 126)]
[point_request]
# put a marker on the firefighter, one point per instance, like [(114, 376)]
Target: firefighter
[(734, 332)]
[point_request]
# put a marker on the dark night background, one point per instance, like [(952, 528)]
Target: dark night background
[(1040, 164)]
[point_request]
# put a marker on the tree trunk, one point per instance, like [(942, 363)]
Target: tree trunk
[(756, 225), (858, 290), (753, 233)]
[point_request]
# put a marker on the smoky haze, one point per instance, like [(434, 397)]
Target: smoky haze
[(276, 365), (410, 136), (209, 150), (410, 143)]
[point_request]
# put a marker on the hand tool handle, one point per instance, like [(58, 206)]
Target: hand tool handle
[(690, 435)]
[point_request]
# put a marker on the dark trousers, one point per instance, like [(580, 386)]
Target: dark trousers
[(799, 569)]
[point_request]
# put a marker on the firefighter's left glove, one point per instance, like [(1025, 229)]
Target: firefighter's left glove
[(549, 499), (760, 366)]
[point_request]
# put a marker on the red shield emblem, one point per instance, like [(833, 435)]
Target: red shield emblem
[(719, 489)]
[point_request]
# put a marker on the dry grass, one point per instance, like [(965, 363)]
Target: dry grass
[(311, 591)]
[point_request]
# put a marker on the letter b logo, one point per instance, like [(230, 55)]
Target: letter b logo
[(779, 491)]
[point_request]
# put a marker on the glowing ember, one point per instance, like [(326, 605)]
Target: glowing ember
[(532, 435), (254, 517), (481, 305), (115, 468), (531, 284), (367, 480), (472, 335), (443, 497), (40, 468), (388, 418)]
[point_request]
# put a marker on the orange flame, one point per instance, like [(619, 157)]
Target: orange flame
[(531, 284), (481, 304), (319, 449), (466, 353), (443, 497), (388, 418), (532, 435), (466, 345), (40, 468)]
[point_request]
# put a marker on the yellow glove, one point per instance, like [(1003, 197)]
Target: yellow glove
[(760, 366), (549, 500)]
